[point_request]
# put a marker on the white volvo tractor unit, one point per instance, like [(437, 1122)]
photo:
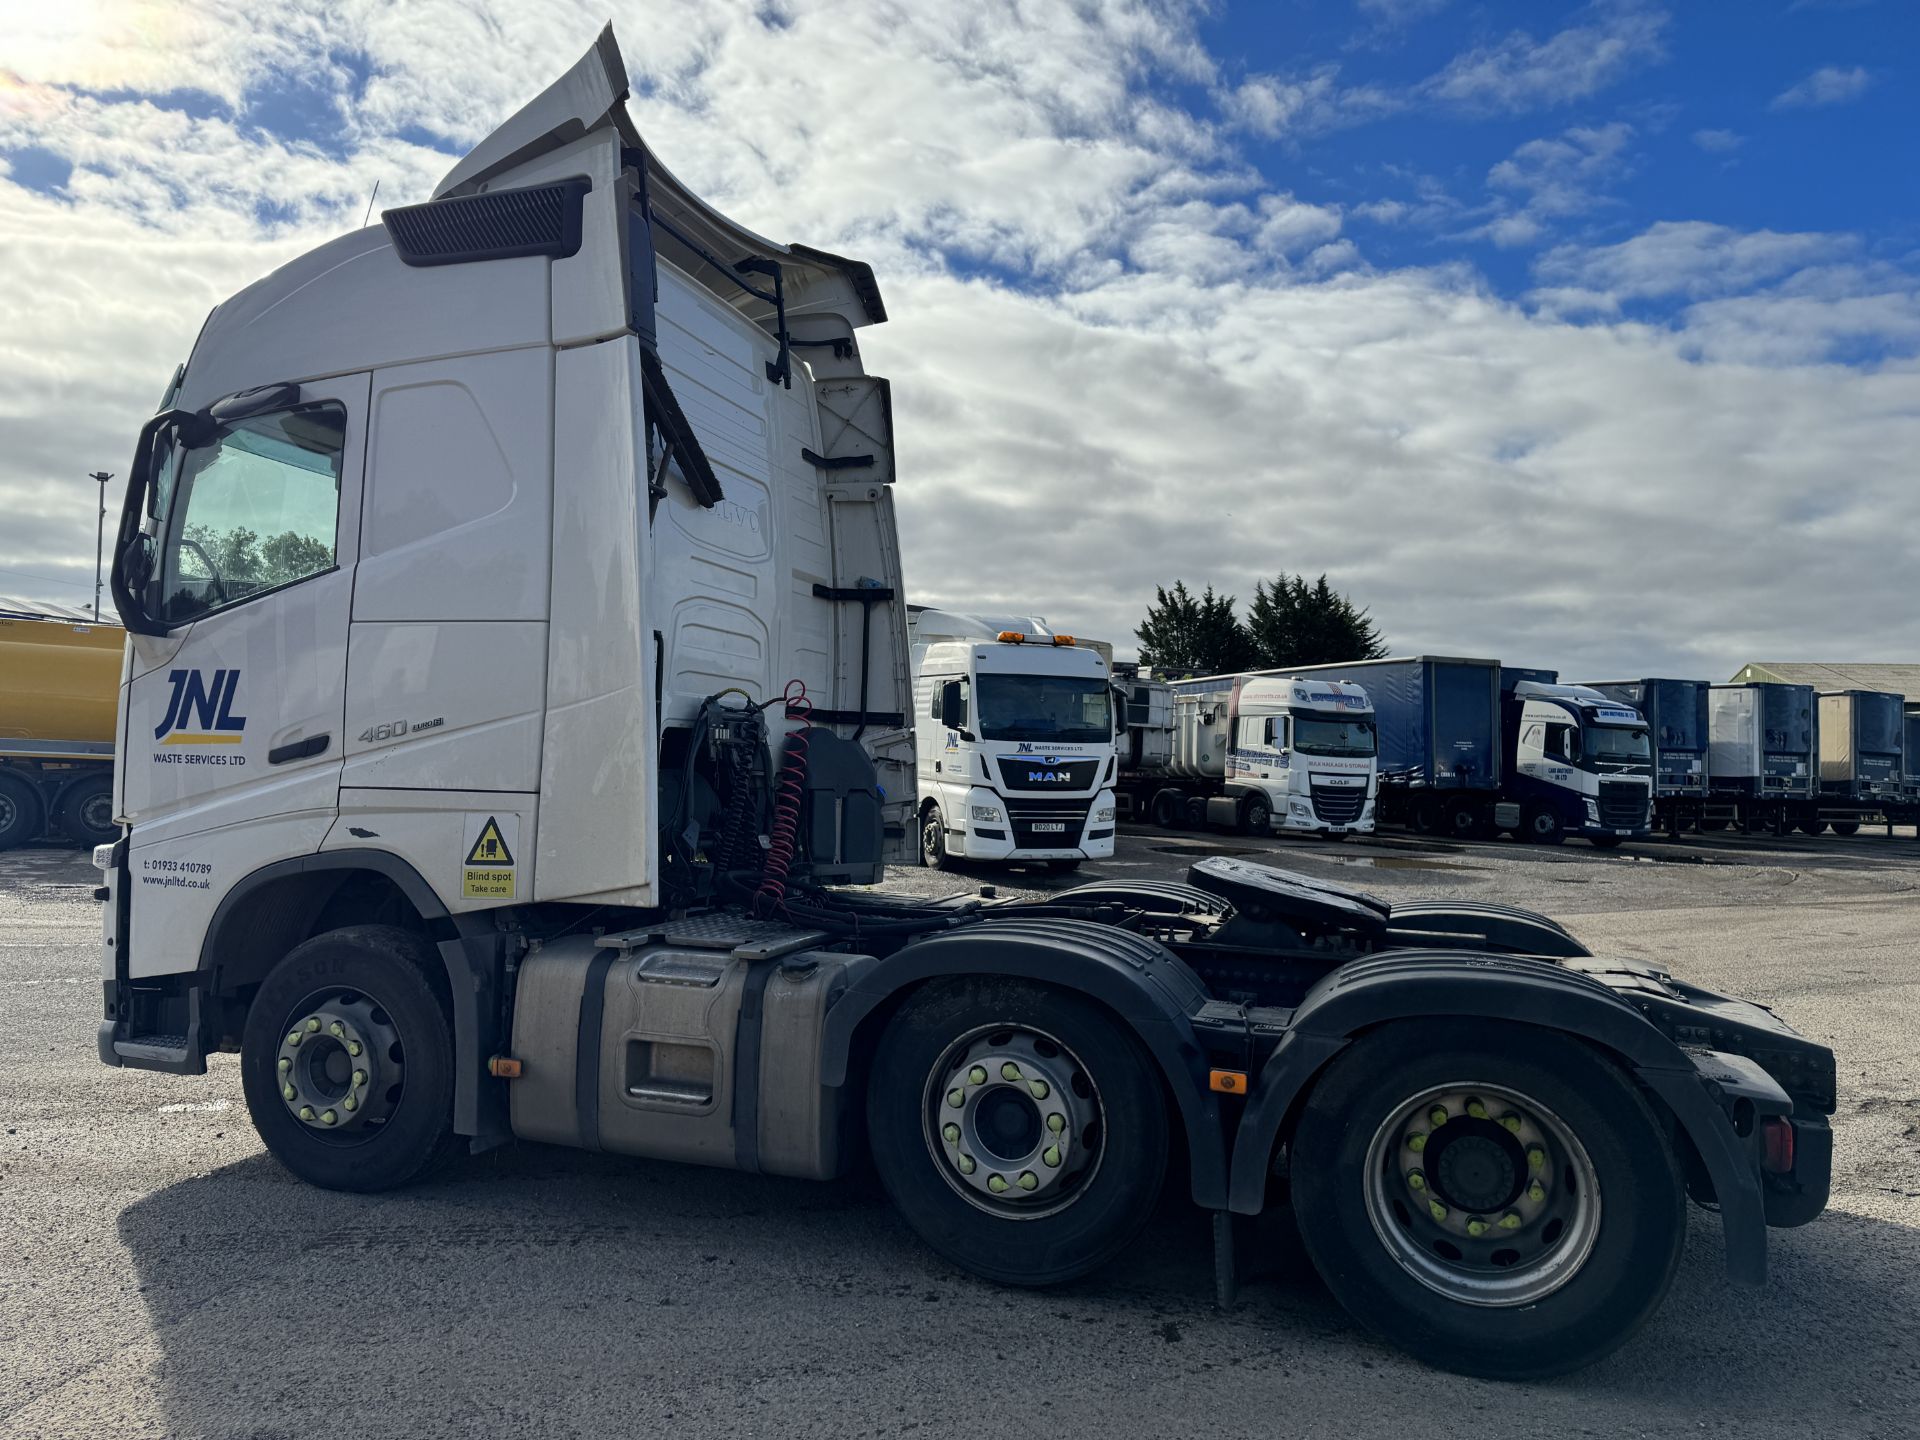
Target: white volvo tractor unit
[(518, 677)]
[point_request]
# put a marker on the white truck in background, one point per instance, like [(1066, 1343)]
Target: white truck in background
[(515, 787), (1014, 727), (1259, 754)]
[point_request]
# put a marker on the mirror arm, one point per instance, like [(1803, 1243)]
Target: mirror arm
[(126, 598)]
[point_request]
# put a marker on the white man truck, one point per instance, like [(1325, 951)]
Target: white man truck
[(1262, 754), (492, 805), (1014, 729)]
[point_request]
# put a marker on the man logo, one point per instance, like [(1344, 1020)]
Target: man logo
[(1044, 776), (210, 701)]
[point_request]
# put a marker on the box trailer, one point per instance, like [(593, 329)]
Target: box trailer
[(59, 688)]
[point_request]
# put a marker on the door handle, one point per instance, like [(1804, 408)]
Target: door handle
[(298, 749)]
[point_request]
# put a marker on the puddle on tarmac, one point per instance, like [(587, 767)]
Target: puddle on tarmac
[(1396, 862)]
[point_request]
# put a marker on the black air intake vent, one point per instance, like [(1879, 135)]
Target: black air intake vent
[(499, 225)]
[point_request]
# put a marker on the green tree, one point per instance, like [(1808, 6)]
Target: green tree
[(1293, 622), (1193, 635)]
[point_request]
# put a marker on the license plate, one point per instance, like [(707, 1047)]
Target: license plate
[(1623, 832), (1050, 827)]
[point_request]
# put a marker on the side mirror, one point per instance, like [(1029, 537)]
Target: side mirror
[(953, 710)]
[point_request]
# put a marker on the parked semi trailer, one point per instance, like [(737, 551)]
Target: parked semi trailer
[(1763, 761), (542, 777), (1676, 716), (1014, 741), (1862, 765), (59, 684), (1259, 754)]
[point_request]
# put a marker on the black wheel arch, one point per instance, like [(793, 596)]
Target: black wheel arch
[(1421, 985), (1147, 986), (274, 908)]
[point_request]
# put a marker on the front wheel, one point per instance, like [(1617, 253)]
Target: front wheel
[(1604, 842), (1257, 817), (1542, 826), (86, 812), (933, 839), (1488, 1197), (1021, 1131), (347, 1060)]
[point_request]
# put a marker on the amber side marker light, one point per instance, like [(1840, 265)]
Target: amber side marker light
[(1227, 1082)]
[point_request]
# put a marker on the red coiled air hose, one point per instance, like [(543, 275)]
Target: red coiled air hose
[(783, 836)]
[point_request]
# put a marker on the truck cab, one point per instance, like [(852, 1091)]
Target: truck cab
[(1578, 763), (1015, 750)]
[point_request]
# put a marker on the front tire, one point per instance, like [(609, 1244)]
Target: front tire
[(86, 812), (351, 1026), (1603, 842), (1256, 818), (1540, 1238), (1017, 1184), (1542, 826), (933, 839)]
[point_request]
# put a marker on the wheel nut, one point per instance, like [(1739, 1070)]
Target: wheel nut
[(306, 1112), (1477, 1109), (359, 1078), (1028, 1180), (1417, 1141), (1536, 1159), (950, 1133), (1511, 1121), (1436, 1210), (1416, 1179), (1056, 1123), (1009, 1071), (1536, 1192), (977, 1075), (286, 1064), (353, 1047), (351, 1103), (313, 1025), (293, 1037), (956, 1098), (290, 1093), (1050, 1157), (1437, 1116), (997, 1184), (329, 1118), (965, 1163), (1476, 1226), (1039, 1089), (336, 1029), (1510, 1221)]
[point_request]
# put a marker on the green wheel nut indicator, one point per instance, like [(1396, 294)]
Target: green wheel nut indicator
[(977, 1075), (351, 1103), (330, 1118), (1416, 1179), (956, 1098), (353, 1047), (1536, 1192), (313, 1025), (951, 1133), (306, 1112), (1438, 1116), (1039, 1089), (1477, 1227), (1511, 1121), (336, 1029), (293, 1038), (966, 1164), (1510, 1221), (1417, 1141), (997, 1184), (359, 1078), (1056, 1123), (290, 1093), (1536, 1159), (1028, 1180), (1437, 1210), (1051, 1157), (1009, 1071), (286, 1064), (1477, 1109)]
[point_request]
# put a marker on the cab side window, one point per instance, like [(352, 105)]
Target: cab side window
[(254, 510)]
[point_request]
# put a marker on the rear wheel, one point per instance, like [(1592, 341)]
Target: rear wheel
[(1463, 819), (1813, 827), (1021, 1131), (20, 814), (347, 1060), (1846, 827), (86, 812), (1712, 826), (933, 839), (1488, 1197), (1542, 826), (1167, 808), (1196, 815)]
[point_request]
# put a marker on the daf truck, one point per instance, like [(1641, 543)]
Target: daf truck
[(527, 794), (1014, 729), (1676, 716), (59, 689), (1260, 754)]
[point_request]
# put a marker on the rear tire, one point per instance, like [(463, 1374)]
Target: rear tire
[(1620, 1237), (1078, 1219), (1167, 808), (86, 812), (21, 818), (1711, 827), (1197, 813), (1846, 827), (374, 981), (1463, 820)]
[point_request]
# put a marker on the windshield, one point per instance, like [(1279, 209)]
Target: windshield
[(1618, 746), (1332, 737), (1045, 707)]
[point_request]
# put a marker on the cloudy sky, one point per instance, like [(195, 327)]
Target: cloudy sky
[(1581, 335)]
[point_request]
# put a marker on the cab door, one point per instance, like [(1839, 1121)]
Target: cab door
[(231, 740)]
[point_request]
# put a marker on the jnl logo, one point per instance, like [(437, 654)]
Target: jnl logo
[(210, 702)]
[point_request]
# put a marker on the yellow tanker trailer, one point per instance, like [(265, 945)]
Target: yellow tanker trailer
[(59, 691)]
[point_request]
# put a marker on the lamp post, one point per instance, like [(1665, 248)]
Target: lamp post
[(99, 539)]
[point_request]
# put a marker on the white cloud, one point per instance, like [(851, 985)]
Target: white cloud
[(1829, 85), (1195, 376), (1521, 73), (1274, 105), (1718, 142)]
